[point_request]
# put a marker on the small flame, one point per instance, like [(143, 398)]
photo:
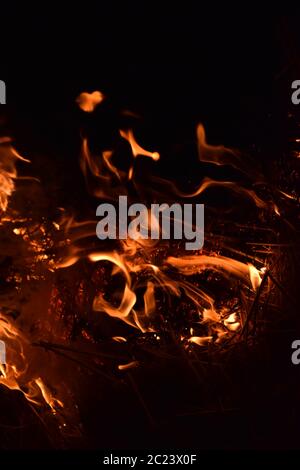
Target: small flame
[(231, 186), (88, 101), (136, 148), (255, 277), (8, 172), (49, 399), (200, 340), (219, 155), (209, 314), (119, 339), (149, 299), (194, 264), (17, 373), (129, 365), (231, 322)]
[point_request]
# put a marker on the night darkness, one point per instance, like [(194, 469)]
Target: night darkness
[(172, 69)]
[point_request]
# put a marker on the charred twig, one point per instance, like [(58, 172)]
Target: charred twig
[(76, 361), (77, 351), (283, 289), (141, 399)]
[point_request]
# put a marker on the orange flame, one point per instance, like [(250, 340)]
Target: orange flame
[(136, 148), (88, 101), (16, 374), (8, 172), (147, 268)]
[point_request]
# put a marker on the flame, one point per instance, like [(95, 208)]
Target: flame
[(231, 322), (233, 187), (201, 340), (16, 373), (49, 399), (149, 299), (160, 293), (136, 148), (88, 101), (124, 309), (119, 339), (99, 173), (219, 155), (8, 172), (194, 264), (130, 365), (255, 277), (209, 314)]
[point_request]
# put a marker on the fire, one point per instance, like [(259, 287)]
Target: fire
[(135, 257), (142, 285), (130, 365), (136, 148), (8, 172), (16, 374), (88, 101), (209, 314), (193, 264), (219, 155), (201, 340), (232, 322), (255, 277)]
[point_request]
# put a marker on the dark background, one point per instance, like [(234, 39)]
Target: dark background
[(175, 68)]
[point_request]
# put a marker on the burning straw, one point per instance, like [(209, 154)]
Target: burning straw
[(72, 307)]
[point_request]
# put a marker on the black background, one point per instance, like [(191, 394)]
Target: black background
[(175, 66)]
